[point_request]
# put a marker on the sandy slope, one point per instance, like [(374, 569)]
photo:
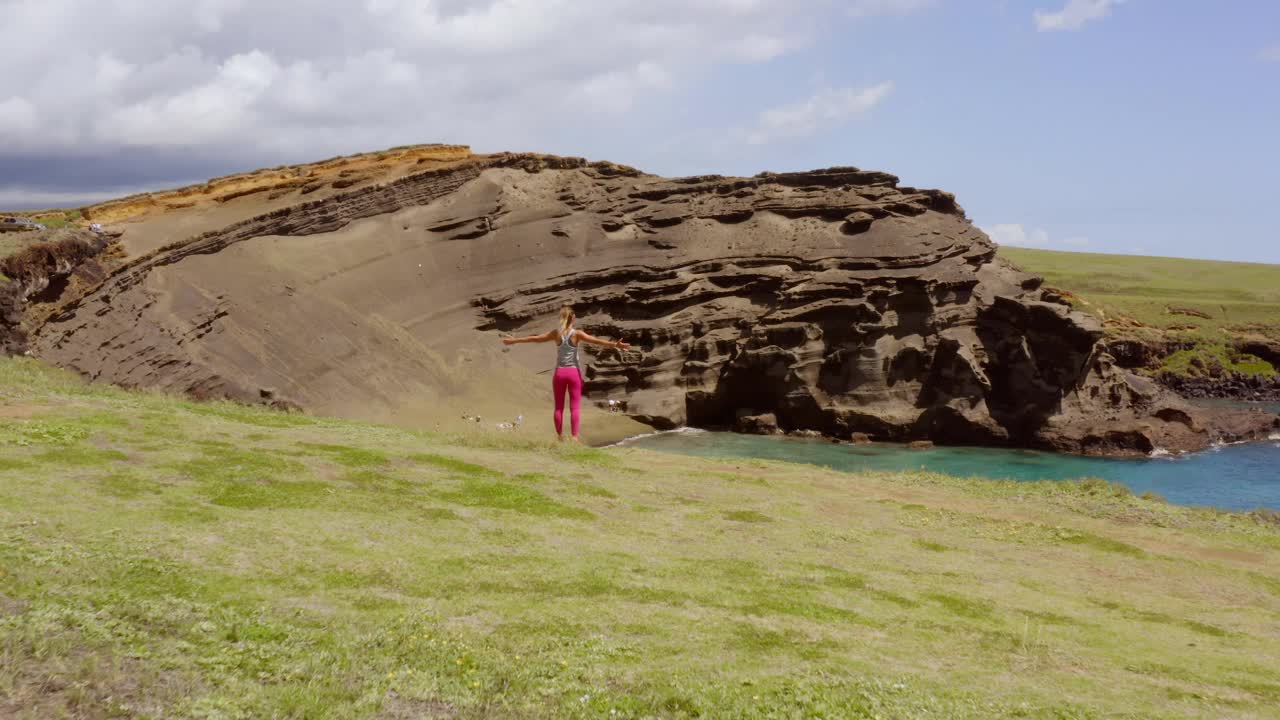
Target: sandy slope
[(368, 321)]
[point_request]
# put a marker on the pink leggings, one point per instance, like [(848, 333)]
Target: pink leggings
[(567, 378)]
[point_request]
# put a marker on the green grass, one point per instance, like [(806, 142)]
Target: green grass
[(53, 222), (511, 496), (12, 242), (747, 516), (160, 558), (1102, 543), (1209, 353), (1206, 302), (350, 456), (453, 465)]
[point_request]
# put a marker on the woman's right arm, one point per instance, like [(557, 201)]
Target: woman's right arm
[(548, 336)]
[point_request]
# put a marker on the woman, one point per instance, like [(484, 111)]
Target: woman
[(568, 374)]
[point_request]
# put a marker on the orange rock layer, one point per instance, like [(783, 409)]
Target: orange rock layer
[(337, 172)]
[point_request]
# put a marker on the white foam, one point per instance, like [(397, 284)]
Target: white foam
[(1274, 436), (1219, 444), (1159, 452), (633, 438)]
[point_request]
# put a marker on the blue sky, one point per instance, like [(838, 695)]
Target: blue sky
[(1142, 126)]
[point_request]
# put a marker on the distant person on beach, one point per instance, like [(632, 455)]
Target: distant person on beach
[(568, 372)]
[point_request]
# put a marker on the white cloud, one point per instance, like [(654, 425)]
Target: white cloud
[(1270, 54), (323, 76), (17, 115), (825, 109), (1074, 15), (616, 90), (1016, 234), (1021, 236)]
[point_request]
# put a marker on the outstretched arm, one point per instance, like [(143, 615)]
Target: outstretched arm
[(549, 336), (621, 345)]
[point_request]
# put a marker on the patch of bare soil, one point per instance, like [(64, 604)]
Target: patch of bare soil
[(11, 606), (397, 707), (19, 411), (90, 685)]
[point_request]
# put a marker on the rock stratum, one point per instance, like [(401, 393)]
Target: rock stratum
[(834, 300)]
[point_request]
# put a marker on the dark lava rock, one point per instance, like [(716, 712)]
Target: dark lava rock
[(764, 424)]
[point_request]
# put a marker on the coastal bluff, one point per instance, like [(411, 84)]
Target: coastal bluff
[(835, 300)]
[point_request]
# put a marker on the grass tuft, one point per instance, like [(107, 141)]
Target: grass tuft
[(1078, 537), (350, 456), (747, 516), (962, 606), (453, 465), (510, 496)]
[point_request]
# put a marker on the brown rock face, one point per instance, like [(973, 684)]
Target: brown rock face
[(831, 300), (59, 263)]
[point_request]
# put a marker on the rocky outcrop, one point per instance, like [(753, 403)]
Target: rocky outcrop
[(1265, 349), (913, 332), (13, 336), (1225, 386), (1205, 377), (833, 300), (38, 275)]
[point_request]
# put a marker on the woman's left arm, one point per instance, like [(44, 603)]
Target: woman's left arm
[(620, 344)]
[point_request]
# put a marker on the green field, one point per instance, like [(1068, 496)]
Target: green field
[(1209, 302), (51, 218), (162, 558), (11, 242)]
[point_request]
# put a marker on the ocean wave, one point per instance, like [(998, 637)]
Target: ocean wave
[(1159, 453), (656, 433), (1219, 444), (1274, 436)]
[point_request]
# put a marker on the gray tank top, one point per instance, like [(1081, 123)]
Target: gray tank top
[(567, 353)]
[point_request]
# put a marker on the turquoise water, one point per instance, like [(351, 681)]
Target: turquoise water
[(1234, 477)]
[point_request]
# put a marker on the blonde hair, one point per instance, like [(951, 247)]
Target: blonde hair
[(566, 319)]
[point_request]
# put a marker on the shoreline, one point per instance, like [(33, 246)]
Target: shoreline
[(1221, 409), (1229, 477), (1156, 454)]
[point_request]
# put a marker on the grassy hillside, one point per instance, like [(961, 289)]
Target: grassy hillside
[(1209, 303), (166, 558), (12, 242)]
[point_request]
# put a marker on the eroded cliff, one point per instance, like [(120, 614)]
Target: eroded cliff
[(832, 300)]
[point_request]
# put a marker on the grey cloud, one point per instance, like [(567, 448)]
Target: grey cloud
[(130, 93), (120, 167)]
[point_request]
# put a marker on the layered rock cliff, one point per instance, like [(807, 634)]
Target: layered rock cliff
[(832, 300)]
